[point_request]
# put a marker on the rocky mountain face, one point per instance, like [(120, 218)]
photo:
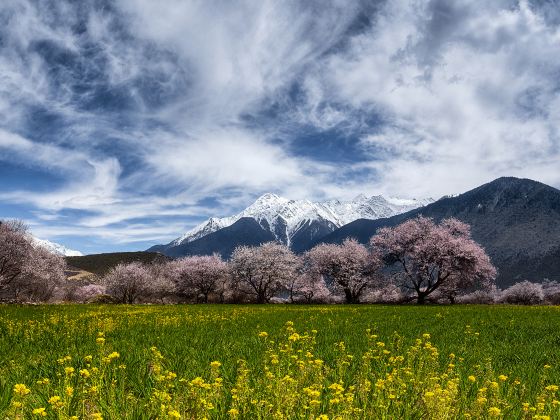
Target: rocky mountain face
[(516, 220), (296, 223)]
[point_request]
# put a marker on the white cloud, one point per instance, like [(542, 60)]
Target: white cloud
[(465, 91), (477, 102), (223, 158)]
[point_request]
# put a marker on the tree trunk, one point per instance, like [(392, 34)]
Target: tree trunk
[(350, 298), (421, 299)]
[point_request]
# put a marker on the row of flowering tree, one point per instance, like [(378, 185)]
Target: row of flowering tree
[(419, 258), (416, 260)]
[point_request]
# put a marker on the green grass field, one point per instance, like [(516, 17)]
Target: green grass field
[(156, 361)]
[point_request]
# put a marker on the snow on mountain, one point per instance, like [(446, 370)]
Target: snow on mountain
[(283, 217), (55, 248)]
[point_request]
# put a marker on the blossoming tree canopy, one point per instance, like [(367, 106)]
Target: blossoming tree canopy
[(15, 250), (199, 275), (263, 271), (126, 283), (425, 256), (27, 272), (350, 267)]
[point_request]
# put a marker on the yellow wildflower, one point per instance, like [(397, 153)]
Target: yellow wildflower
[(54, 399), (21, 390), (174, 414), (494, 411), (39, 412)]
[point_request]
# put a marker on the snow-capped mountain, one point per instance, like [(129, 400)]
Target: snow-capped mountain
[(285, 218), (55, 248)]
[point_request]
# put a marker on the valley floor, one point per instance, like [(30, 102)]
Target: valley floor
[(228, 361)]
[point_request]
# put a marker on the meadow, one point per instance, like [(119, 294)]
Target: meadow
[(276, 361)]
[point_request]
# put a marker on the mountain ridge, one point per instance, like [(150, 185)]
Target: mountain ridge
[(298, 219), (55, 247)]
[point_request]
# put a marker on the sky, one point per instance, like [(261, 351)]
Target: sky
[(124, 123)]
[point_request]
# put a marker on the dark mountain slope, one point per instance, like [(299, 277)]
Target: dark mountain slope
[(516, 220), (309, 232), (246, 231), (101, 263)]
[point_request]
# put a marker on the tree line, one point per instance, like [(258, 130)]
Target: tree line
[(419, 260)]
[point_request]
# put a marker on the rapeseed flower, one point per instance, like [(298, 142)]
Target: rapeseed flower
[(41, 412), (21, 390), (494, 411), (174, 414)]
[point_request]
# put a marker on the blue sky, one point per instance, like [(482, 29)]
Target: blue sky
[(124, 123)]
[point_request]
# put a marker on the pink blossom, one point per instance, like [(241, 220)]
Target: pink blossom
[(425, 257), (199, 276), (350, 267), (262, 272)]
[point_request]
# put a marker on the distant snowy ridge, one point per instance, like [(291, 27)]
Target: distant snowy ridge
[(55, 248), (284, 217)]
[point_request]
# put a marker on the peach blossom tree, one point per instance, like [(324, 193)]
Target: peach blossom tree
[(199, 276), (350, 267), (128, 283), (263, 271), (27, 272), (423, 257)]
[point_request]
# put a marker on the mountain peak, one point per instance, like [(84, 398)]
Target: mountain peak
[(269, 197), (360, 197), (510, 181)]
